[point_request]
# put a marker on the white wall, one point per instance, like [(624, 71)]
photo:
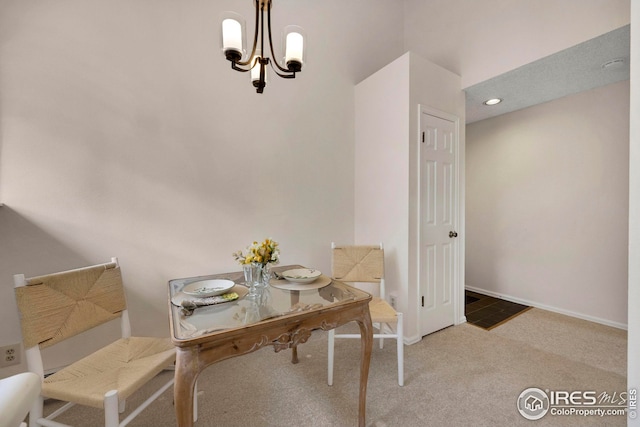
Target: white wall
[(547, 204), (387, 165), (381, 171), (124, 132)]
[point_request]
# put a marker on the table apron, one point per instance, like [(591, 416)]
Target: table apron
[(280, 333)]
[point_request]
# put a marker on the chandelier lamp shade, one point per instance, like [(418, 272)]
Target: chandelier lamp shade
[(234, 46)]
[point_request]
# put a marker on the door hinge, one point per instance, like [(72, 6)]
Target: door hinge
[(422, 136), (423, 300)]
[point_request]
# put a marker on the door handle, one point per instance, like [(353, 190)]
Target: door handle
[(453, 234)]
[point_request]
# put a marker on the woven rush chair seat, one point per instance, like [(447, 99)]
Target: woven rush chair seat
[(380, 310), (58, 306), (125, 365), (365, 264)]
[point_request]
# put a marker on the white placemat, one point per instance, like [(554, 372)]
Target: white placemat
[(320, 282)]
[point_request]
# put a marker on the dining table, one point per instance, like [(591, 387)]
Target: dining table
[(281, 314)]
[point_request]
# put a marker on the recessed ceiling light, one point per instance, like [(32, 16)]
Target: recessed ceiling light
[(613, 64), (492, 101)]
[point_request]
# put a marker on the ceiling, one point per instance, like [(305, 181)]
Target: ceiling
[(569, 71)]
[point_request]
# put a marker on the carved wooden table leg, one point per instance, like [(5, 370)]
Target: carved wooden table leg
[(366, 340), (185, 381)]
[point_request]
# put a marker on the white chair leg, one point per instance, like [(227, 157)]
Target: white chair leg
[(380, 328), (400, 343), (36, 411), (111, 415), (331, 342), (122, 406)]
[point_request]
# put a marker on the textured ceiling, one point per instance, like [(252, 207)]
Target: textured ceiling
[(572, 70)]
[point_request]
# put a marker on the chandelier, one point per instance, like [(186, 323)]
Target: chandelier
[(233, 47)]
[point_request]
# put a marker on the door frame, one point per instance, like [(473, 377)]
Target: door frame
[(458, 287)]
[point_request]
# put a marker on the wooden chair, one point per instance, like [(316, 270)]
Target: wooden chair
[(365, 264), (58, 306)]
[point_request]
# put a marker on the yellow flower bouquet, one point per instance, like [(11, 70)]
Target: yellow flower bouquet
[(263, 253)]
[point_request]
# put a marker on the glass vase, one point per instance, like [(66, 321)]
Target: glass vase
[(252, 277), (266, 276)]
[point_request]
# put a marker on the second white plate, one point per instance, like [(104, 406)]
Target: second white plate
[(301, 275)]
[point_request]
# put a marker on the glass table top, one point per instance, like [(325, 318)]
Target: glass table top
[(281, 298)]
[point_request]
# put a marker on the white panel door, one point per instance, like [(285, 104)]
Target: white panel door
[(438, 217)]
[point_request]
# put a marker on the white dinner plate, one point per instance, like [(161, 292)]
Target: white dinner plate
[(301, 275), (208, 288)]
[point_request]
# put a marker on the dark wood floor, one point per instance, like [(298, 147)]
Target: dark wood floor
[(488, 312)]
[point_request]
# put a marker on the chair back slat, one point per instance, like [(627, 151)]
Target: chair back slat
[(58, 306), (357, 263)]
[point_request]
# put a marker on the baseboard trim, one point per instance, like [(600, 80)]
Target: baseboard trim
[(411, 340), (549, 308)]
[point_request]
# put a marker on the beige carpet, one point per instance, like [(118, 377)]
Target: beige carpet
[(460, 376)]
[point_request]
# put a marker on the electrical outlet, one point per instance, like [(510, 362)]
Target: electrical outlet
[(9, 355), (392, 299)]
